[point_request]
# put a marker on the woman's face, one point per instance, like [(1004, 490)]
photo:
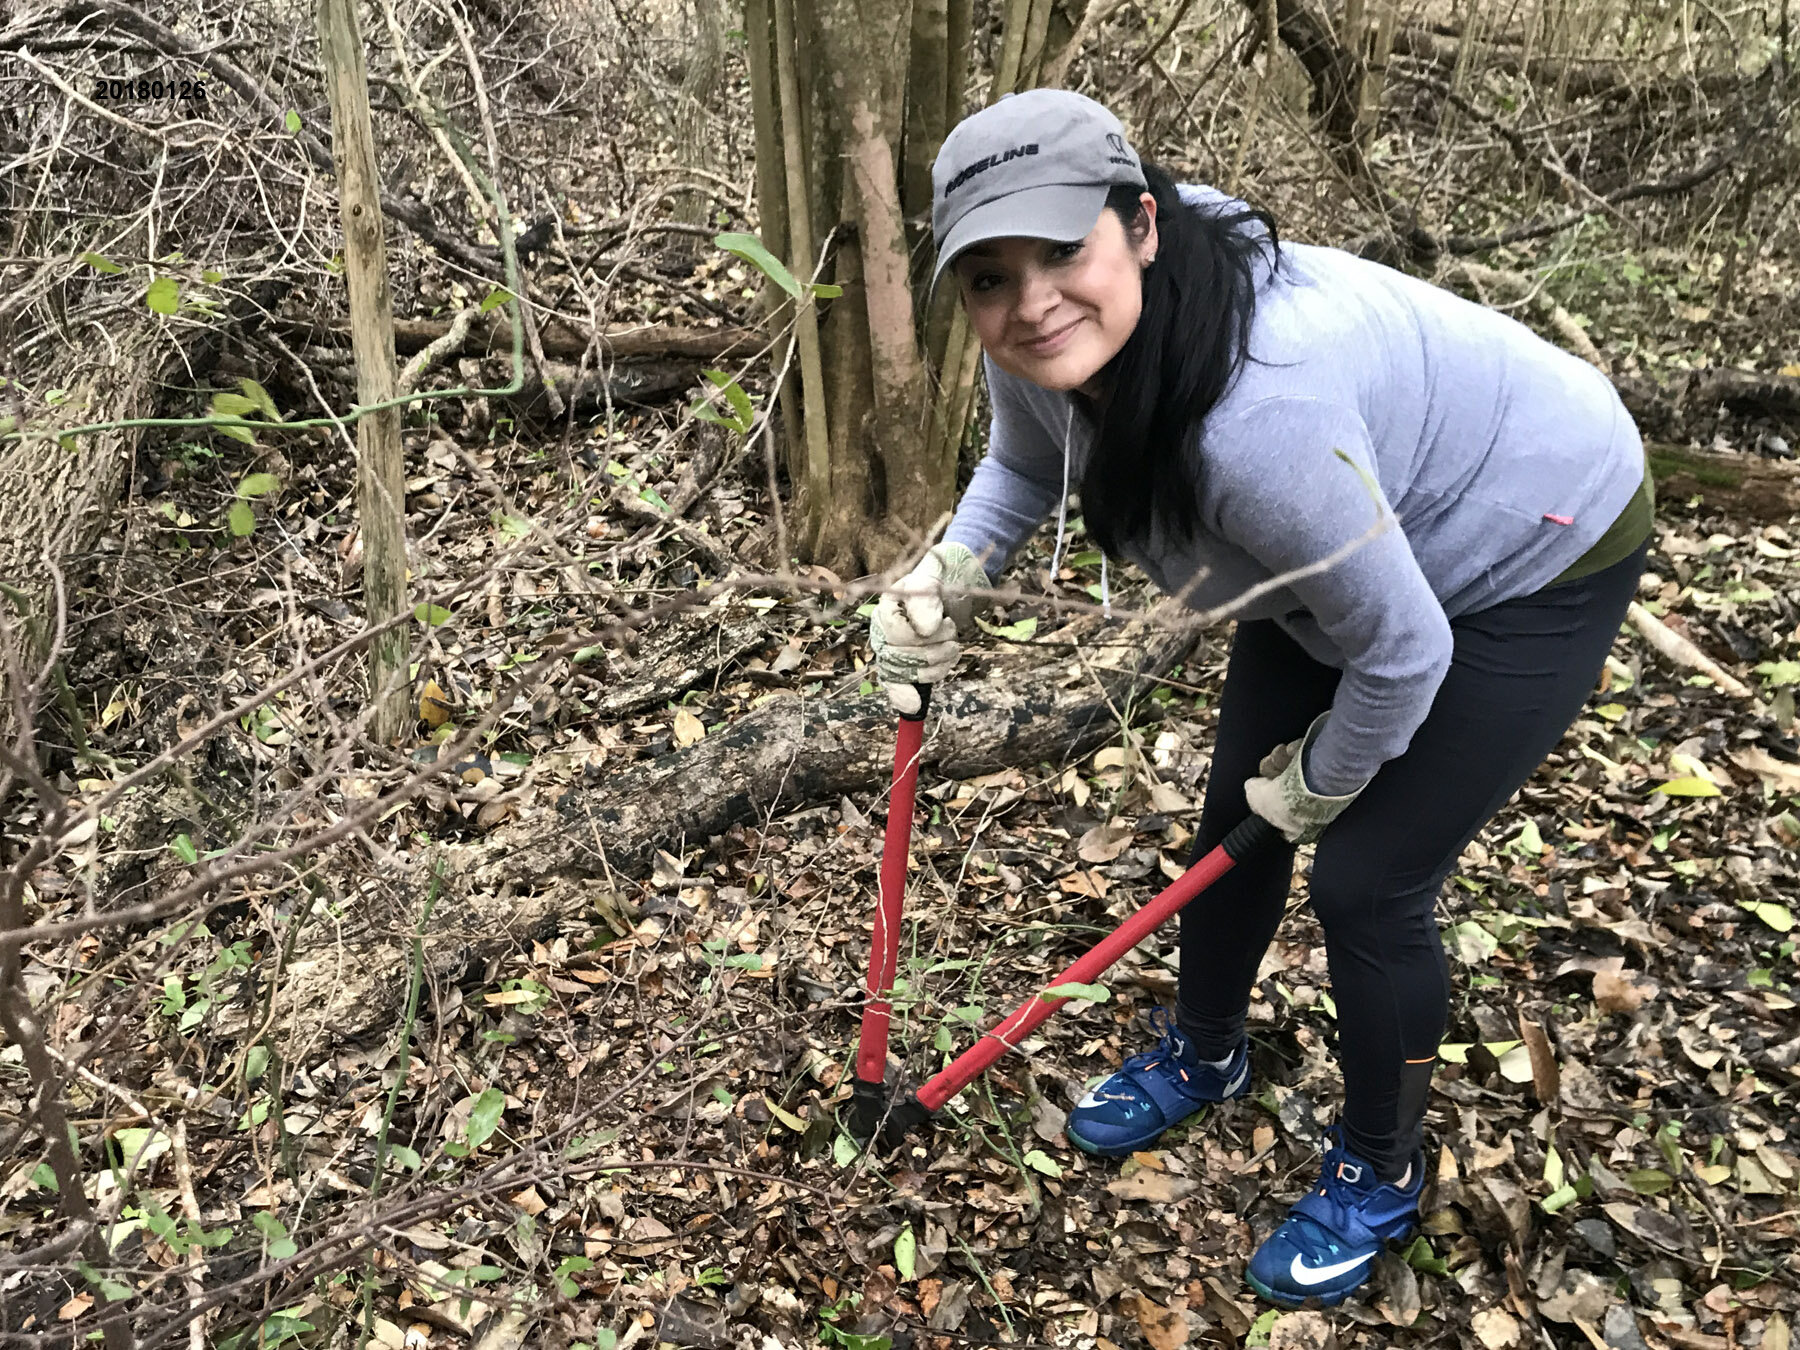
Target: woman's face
[(1055, 313)]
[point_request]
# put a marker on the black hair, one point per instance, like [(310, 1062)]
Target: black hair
[(1190, 342)]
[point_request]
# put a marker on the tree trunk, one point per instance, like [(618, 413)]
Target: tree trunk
[(780, 757), (872, 445), (59, 502), (381, 476)]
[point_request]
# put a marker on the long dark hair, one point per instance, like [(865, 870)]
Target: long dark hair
[(1189, 344)]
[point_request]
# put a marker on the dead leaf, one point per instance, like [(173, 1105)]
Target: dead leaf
[(1495, 1328), (1159, 1188), (1302, 1331), (689, 730), (435, 707), (1580, 1295), (1103, 843), (1083, 882), (1544, 1077), (74, 1307), (1164, 1328), (1784, 778), (1618, 993), (1222, 1301)]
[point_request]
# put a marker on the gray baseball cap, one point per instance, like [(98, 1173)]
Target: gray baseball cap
[(1037, 164)]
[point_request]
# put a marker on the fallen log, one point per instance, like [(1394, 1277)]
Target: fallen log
[(522, 881), (494, 334)]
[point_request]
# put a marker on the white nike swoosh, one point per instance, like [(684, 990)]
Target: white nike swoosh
[(1311, 1275), (1238, 1081), (1092, 1099)]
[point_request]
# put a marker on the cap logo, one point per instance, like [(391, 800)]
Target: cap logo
[(1116, 141), (991, 161)]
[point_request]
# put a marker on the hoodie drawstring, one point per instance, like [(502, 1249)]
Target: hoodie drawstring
[(1062, 504), (1062, 516)]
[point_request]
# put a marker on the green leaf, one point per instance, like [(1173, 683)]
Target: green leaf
[(237, 433), (101, 263), (256, 1063), (212, 277), (843, 1150), (110, 1289), (655, 499), (751, 250), (1688, 787), (164, 295), (1039, 1161), (432, 616), (281, 1246), (240, 519), (1528, 842), (824, 290), (1087, 993), (406, 1157), (1088, 557), (706, 413), (43, 1177), (906, 1251), (495, 298), (1778, 917), (1778, 673), (231, 405), (484, 1116), (259, 398), (1421, 1256), (292, 122), (183, 847), (734, 393), (1472, 943), (258, 484), (1649, 1180), (1262, 1328)]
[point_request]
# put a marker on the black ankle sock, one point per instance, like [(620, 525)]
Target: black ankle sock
[(1213, 1038)]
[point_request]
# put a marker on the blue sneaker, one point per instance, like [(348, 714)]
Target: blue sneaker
[(1325, 1250), (1153, 1091)]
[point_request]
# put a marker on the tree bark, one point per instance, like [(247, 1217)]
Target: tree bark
[(784, 755), (381, 475), (59, 502)]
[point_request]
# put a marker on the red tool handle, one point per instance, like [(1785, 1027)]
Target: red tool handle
[(1252, 834), (884, 943)]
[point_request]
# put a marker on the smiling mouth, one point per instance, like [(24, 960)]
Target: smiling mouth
[(1050, 339)]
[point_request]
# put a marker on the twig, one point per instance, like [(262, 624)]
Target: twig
[(190, 1209), (438, 349), (1684, 653), (414, 982)]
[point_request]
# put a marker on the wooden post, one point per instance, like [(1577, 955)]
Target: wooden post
[(381, 479)]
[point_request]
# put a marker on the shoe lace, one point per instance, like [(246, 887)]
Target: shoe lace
[(1167, 1047)]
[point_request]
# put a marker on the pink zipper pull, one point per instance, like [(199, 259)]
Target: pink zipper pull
[(1560, 520)]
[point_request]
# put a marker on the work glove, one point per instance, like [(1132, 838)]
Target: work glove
[(913, 629), (1282, 798)]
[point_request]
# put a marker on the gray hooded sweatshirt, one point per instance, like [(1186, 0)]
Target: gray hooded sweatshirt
[(1499, 458)]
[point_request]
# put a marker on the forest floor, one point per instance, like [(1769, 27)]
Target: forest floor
[(630, 1128)]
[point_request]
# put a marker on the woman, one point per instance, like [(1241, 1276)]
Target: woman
[(1232, 410)]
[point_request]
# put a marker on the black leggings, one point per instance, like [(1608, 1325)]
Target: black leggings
[(1519, 676)]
